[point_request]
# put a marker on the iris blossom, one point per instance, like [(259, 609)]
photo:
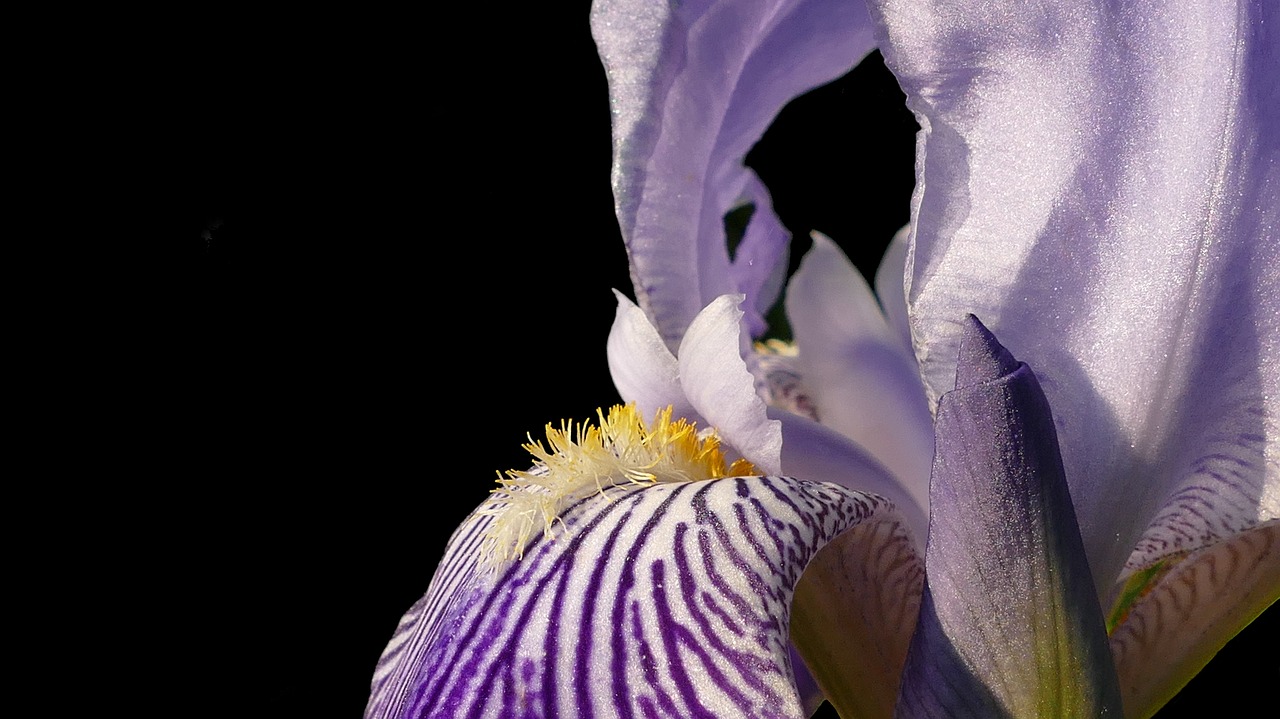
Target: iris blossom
[(901, 512)]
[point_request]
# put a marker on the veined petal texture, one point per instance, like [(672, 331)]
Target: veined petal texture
[(1009, 624), (1100, 182), (672, 600), (1195, 605), (692, 86)]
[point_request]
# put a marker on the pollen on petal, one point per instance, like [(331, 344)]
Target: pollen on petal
[(622, 452)]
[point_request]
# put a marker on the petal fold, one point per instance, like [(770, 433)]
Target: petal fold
[(670, 600), (644, 371), (692, 87), (721, 388), (1009, 625), (854, 612)]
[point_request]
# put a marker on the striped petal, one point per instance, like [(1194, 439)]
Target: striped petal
[(1185, 609), (692, 86), (1010, 624), (854, 613), (670, 600)]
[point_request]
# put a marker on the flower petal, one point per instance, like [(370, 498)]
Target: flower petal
[(719, 386), (760, 263), (864, 381), (692, 86), (1101, 183), (673, 599), (1190, 612), (815, 451), (1010, 625), (643, 370), (854, 612), (889, 284)]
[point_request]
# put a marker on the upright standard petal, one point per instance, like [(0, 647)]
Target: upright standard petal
[(669, 600), (1010, 624), (692, 86), (865, 382), (1101, 183)]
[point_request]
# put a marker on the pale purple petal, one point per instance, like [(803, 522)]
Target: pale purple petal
[(672, 600), (890, 287), (692, 86), (864, 381), (817, 452), (643, 370), (719, 386), (1010, 624), (1100, 182), (760, 264)]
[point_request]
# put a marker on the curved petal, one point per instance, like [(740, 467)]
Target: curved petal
[(1191, 611), (719, 386), (890, 287), (1101, 183), (865, 382), (1010, 625), (673, 599), (395, 678), (815, 451), (760, 263), (643, 370), (853, 614), (692, 86)]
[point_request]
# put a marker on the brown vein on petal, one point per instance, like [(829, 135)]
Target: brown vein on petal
[(1200, 604)]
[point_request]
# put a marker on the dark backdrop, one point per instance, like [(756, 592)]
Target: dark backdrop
[(396, 246)]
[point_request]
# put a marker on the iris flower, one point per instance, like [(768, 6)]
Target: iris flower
[(895, 512)]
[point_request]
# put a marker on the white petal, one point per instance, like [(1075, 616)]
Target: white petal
[(718, 385), (644, 371), (891, 286)]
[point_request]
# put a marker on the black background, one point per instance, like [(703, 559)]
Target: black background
[(395, 246)]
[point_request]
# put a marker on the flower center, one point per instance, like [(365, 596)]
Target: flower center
[(623, 452)]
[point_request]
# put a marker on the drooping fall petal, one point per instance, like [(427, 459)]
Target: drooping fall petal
[(692, 86), (854, 612), (1010, 624), (1100, 182), (672, 599), (1188, 607)]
